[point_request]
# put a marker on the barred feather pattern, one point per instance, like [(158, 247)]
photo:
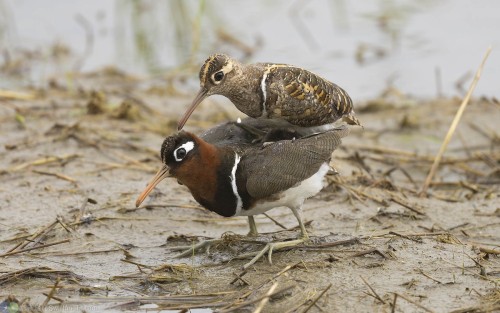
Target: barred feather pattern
[(303, 98)]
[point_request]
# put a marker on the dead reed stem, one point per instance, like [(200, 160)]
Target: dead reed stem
[(34, 248), (266, 299), (453, 126)]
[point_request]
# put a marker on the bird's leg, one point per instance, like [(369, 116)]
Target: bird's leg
[(298, 215), (270, 247), (206, 244), (253, 227)]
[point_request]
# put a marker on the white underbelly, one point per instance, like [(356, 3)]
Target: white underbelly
[(293, 197)]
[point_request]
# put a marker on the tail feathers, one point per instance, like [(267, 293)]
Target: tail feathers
[(351, 119)]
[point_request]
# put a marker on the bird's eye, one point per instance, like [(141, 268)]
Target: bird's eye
[(218, 76), (180, 154)]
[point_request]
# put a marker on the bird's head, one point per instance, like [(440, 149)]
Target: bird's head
[(217, 70), (179, 153)]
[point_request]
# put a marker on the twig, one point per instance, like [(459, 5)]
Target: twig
[(266, 299), (409, 235), (368, 252), (453, 126), (43, 161), (244, 304), (12, 275), (61, 176), (34, 248), (384, 150), (404, 236), (406, 205), (393, 309), (284, 270), (51, 294), (372, 290), (53, 297), (240, 277), (317, 298), (139, 265), (414, 302), (41, 235), (429, 276), (458, 226), (364, 194), (16, 95), (37, 234), (60, 221), (489, 251), (83, 208), (128, 160), (333, 244), (402, 170), (58, 253), (275, 221)]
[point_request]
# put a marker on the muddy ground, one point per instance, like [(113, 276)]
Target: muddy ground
[(74, 157)]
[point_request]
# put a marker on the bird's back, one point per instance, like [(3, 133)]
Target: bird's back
[(252, 132)]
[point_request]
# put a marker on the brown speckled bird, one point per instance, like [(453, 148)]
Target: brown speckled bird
[(274, 91)]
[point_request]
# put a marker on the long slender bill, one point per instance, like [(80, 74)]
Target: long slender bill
[(159, 176), (202, 94)]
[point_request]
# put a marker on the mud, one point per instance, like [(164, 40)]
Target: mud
[(75, 156)]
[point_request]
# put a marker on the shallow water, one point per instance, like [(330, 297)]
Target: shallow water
[(362, 46)]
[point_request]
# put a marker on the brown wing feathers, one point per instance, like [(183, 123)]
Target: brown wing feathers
[(299, 86)]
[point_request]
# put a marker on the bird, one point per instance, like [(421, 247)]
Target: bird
[(273, 91), (231, 174)]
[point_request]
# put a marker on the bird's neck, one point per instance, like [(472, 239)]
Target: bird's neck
[(246, 92), (210, 180)]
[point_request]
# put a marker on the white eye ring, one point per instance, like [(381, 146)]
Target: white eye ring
[(188, 146), (218, 81)]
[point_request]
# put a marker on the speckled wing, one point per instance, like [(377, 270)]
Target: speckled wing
[(304, 98), (281, 165)]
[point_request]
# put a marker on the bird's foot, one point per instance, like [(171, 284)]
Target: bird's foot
[(226, 241), (269, 248), (191, 250), (252, 233)]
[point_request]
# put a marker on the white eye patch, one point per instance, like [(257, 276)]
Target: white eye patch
[(181, 152)]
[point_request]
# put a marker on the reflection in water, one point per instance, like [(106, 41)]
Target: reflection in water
[(362, 46)]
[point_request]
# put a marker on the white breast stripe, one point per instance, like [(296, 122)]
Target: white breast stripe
[(239, 202), (264, 91), (263, 85)]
